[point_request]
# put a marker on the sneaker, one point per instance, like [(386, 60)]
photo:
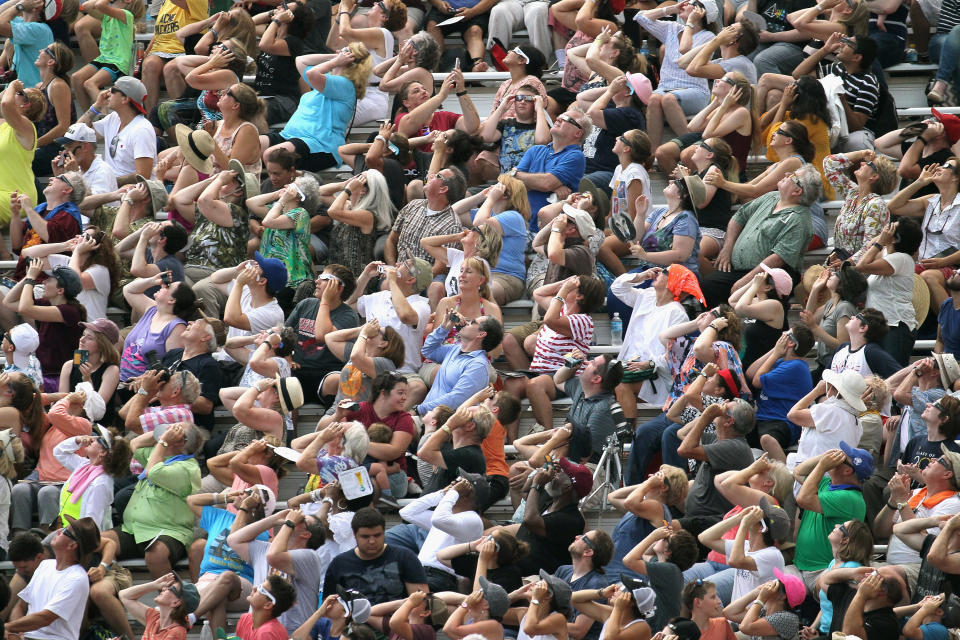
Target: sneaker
[(413, 489), (388, 502)]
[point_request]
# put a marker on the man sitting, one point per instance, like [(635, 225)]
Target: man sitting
[(465, 430), (201, 338)]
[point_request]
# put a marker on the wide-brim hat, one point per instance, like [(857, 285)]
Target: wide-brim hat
[(810, 276), (949, 369), (697, 191), (158, 194), (921, 299), (290, 393), (86, 534), (249, 182), (197, 146), (849, 384)]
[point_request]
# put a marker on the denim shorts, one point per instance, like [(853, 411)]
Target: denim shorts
[(691, 100)]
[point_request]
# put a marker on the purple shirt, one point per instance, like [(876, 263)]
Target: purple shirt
[(141, 341)]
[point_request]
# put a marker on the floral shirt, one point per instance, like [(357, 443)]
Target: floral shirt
[(861, 218), (724, 356), (291, 246), (218, 247)]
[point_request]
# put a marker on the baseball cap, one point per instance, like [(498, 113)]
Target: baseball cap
[(781, 279), (643, 596), (25, 340), (778, 519), (796, 591), (640, 85), (579, 475), (954, 459), (496, 597), (353, 602), (104, 326), (422, 271), (188, 593), (133, 89), (78, 132), (861, 460), (951, 124), (558, 587), (68, 279), (481, 488), (582, 220), (273, 270)]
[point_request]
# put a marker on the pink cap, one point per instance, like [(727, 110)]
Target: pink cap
[(796, 591), (641, 86), (781, 280)]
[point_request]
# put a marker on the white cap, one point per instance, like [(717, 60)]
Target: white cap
[(25, 340), (79, 132)]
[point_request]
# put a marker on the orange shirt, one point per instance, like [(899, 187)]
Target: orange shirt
[(719, 629), (492, 447)]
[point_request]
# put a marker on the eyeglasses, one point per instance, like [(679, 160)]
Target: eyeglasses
[(850, 42), (706, 147), (519, 52), (730, 81), (438, 176), (266, 593), (870, 164), (567, 118), (796, 181), (64, 180), (47, 51), (586, 540), (519, 98), (945, 462)]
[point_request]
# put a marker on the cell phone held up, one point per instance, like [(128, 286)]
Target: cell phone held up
[(81, 356)]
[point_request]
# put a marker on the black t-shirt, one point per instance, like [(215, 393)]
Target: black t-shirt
[(508, 577), (207, 370), (921, 452), (775, 13), (277, 75), (598, 148), (469, 458), (938, 157), (551, 551), (880, 624), (932, 581), (381, 579), (310, 354)]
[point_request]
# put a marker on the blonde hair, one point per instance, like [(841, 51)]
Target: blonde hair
[(516, 195), (138, 8), (887, 178), (478, 264), (782, 482), (358, 72), (856, 23), (489, 244), (38, 104), (678, 487), (880, 395), (748, 100)]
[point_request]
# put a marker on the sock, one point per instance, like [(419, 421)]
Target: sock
[(386, 492)]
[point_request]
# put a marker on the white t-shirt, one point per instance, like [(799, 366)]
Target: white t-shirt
[(99, 178), (620, 184), (261, 318), (379, 305), (845, 359), (452, 281), (893, 294), (897, 551), (95, 300), (6, 493), (136, 140), (766, 560), (64, 593), (832, 423)]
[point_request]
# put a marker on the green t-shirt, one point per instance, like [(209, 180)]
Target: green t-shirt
[(159, 502), (116, 42), (813, 551)]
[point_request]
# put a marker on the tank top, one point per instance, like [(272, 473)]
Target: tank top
[(523, 635), (716, 214), (226, 144), (140, 341), (758, 338), (49, 119), (96, 379), (16, 171)]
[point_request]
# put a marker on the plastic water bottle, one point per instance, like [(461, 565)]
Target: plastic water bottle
[(206, 633), (616, 330), (150, 23)]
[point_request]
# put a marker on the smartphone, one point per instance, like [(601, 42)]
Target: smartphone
[(456, 64), (10, 283), (350, 405), (81, 356), (166, 278)]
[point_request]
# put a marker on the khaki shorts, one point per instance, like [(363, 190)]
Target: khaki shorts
[(240, 604), (427, 371), (525, 330), (512, 287), (119, 577)]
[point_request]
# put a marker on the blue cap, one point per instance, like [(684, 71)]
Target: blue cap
[(273, 270), (861, 460)]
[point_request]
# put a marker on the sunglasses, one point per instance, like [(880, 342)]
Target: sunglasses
[(64, 180), (69, 533), (586, 540), (47, 51), (796, 181), (843, 530), (327, 276), (570, 120), (730, 81), (872, 166), (519, 98), (945, 462), (783, 133), (266, 593), (113, 145), (939, 407), (859, 317), (951, 167), (380, 3), (623, 139), (229, 92), (706, 147), (850, 42)]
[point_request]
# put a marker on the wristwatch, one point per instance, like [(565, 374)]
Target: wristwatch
[(896, 507), (512, 173), (19, 6)]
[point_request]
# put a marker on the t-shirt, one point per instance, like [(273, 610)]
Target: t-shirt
[(58, 339), (834, 422), (766, 559), (418, 631), (589, 580), (322, 118), (493, 453), (136, 140), (948, 319), (398, 421), (154, 632), (379, 305), (741, 63), (354, 384), (578, 260), (310, 354), (893, 294), (620, 185), (439, 121), (269, 630), (552, 345), (261, 318), (567, 165), (813, 551), (723, 455), (667, 581), (880, 624), (870, 358), (170, 20), (783, 386), (116, 42), (218, 556), (598, 146), (208, 373), (511, 260), (551, 551), (469, 458), (61, 592), (214, 246), (454, 261), (515, 138), (306, 577), (379, 579), (278, 75), (29, 39), (862, 89)]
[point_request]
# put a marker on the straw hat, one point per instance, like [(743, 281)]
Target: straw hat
[(196, 145), (921, 299)]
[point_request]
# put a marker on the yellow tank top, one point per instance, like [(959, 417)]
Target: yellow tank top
[(16, 170)]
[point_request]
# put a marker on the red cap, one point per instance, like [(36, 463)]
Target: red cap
[(579, 475), (951, 124)]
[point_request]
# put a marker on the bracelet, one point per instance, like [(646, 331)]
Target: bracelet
[(348, 192), (94, 110), (327, 500), (105, 565), (759, 602), (379, 137), (464, 605), (460, 94), (555, 230), (447, 429), (243, 509), (29, 281), (878, 246), (289, 523), (713, 327), (535, 601), (361, 336), (215, 34), (689, 25), (559, 299)]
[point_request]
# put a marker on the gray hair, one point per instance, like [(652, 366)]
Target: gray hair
[(585, 122), (377, 201), (811, 182), (356, 441), (744, 416), (428, 50), (456, 184), (194, 437), (79, 186), (311, 189), (188, 384)]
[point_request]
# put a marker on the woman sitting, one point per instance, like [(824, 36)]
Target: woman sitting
[(416, 62), (286, 233), (337, 447), (20, 108), (170, 608), (372, 351), (852, 546), (283, 40), (261, 408), (99, 364), (765, 300), (21, 408), (864, 212), (238, 470), (845, 288), (319, 125), (481, 241), (494, 557), (888, 264), (630, 181), (55, 63), (767, 612), (94, 462), (629, 609), (161, 324)]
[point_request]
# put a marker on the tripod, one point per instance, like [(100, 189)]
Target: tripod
[(607, 477)]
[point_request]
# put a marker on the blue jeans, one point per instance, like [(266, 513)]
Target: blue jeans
[(890, 49), (721, 575), (779, 57), (670, 443), (647, 440), (944, 49)]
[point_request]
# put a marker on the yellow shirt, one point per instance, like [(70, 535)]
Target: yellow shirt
[(170, 19), (16, 170), (820, 137)]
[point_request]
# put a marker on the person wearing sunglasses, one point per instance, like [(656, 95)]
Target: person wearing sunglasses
[(939, 253), (515, 116), (94, 461), (174, 601)]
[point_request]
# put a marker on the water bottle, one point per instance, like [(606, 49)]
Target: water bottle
[(616, 330), (151, 23), (206, 633)]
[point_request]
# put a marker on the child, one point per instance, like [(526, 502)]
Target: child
[(876, 398), (116, 48), (935, 615), (433, 420), (380, 432)]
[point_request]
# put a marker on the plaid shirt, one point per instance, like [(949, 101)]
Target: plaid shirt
[(153, 417), (414, 222)]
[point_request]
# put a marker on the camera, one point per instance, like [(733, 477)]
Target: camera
[(349, 405), (166, 278), (571, 361), (154, 364)]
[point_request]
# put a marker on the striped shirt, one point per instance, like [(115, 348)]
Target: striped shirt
[(552, 346), (863, 89), (949, 16), (668, 32)]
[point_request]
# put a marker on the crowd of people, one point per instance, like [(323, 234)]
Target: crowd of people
[(208, 255)]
